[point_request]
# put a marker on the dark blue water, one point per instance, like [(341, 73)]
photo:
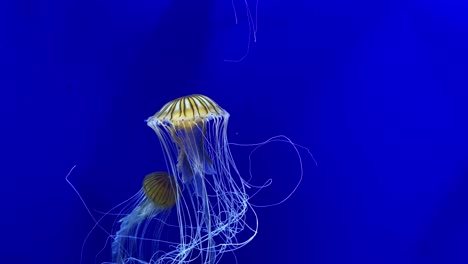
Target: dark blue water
[(376, 89)]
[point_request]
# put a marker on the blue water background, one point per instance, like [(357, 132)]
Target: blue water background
[(376, 89)]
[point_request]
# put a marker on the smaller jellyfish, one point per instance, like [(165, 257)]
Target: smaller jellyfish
[(159, 187), (153, 201)]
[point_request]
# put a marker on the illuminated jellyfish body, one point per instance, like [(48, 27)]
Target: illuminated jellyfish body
[(211, 203), (153, 201)]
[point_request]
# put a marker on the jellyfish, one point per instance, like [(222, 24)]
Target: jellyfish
[(192, 131), (154, 200)]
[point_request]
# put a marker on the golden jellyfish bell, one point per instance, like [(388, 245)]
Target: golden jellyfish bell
[(159, 188), (187, 111)]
